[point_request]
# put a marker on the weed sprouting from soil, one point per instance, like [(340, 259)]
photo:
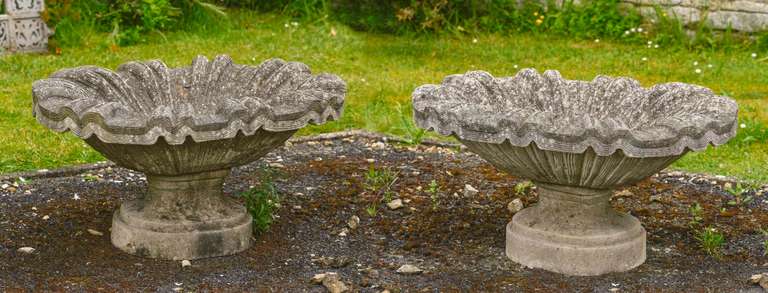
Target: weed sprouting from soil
[(739, 193), (697, 213), (379, 182), (765, 242), (261, 201), (710, 240), (433, 190), (523, 187), (765, 247), (372, 210)]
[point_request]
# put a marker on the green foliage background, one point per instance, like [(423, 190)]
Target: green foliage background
[(130, 21)]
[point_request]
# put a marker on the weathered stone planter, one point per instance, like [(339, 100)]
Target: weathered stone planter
[(577, 141), (186, 128)]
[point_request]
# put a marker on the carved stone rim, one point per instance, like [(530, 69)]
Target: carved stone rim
[(473, 106), (135, 104)]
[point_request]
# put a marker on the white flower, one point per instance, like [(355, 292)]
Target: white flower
[(294, 23), (656, 46), (474, 41), (709, 65), (645, 59), (286, 24), (639, 30), (650, 42), (742, 126), (697, 70), (633, 30), (515, 66), (626, 32), (597, 40), (695, 63), (754, 55)]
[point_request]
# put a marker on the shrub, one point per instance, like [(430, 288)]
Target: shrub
[(590, 19), (603, 18), (129, 21)]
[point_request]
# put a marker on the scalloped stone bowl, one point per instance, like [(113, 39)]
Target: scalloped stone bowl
[(186, 128), (577, 141)]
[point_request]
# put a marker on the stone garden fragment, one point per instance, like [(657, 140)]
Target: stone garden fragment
[(577, 141), (186, 128), (22, 29)]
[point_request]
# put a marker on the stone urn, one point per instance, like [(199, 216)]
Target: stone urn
[(577, 141), (186, 128)]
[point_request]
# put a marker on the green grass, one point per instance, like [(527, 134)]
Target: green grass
[(381, 72)]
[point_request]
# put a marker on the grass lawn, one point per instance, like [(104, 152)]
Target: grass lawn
[(381, 72)]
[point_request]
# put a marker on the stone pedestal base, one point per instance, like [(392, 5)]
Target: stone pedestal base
[(182, 217), (575, 231)]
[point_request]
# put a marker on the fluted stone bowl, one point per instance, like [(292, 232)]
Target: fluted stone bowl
[(186, 128), (577, 141)]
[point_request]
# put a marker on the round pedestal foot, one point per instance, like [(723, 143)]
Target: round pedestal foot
[(575, 232), (182, 217), (179, 240)]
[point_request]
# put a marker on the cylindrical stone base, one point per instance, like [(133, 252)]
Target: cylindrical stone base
[(575, 231), (182, 217)]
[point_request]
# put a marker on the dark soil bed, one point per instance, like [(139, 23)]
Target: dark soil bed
[(457, 240)]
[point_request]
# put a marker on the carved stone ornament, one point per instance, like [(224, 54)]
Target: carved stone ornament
[(186, 128), (577, 141), (22, 29)]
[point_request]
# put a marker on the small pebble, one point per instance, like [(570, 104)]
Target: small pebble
[(186, 263), (515, 205), (26, 249), (395, 204), (95, 233), (469, 190), (317, 278), (408, 269), (353, 222)]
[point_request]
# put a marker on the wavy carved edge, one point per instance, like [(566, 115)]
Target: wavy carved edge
[(89, 124), (696, 138)]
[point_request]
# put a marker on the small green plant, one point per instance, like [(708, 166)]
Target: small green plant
[(88, 177), (523, 187), (739, 194), (414, 135), (696, 214), (377, 179), (379, 182), (372, 209), (765, 242), (765, 247), (261, 202), (433, 191), (710, 240)]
